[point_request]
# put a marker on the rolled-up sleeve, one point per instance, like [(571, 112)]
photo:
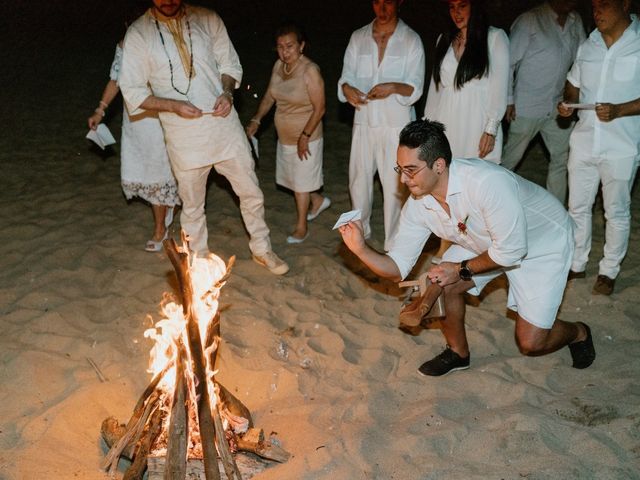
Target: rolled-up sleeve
[(225, 54), (573, 77), (498, 81), (500, 206), (348, 67), (414, 74), (134, 75), (410, 237)]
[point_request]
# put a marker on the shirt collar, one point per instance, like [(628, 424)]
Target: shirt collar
[(454, 187), (632, 31)]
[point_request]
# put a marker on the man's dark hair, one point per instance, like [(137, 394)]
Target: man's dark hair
[(428, 136)]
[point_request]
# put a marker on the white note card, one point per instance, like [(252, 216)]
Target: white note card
[(347, 217), (101, 136)]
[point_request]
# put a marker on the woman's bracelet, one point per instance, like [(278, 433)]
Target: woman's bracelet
[(104, 104), (228, 94), (255, 120), (308, 135), (100, 111)]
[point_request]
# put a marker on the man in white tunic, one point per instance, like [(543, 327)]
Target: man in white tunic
[(605, 144), (178, 60), (382, 77), (499, 223), (543, 44)]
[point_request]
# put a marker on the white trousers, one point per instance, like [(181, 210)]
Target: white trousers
[(375, 150), (585, 175), (192, 187), (556, 138)]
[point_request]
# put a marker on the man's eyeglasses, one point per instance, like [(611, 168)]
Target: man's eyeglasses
[(407, 172)]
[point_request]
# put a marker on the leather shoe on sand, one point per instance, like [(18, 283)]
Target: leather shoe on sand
[(604, 285), (583, 353)]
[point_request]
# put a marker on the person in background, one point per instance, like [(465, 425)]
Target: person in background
[(297, 89), (500, 223), (605, 143), (543, 44), (178, 61), (144, 164), (382, 77), (469, 81)]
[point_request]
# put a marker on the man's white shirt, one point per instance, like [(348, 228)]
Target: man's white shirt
[(491, 209), (403, 62), (541, 52), (608, 75)]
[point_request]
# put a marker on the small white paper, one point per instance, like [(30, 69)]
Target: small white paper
[(207, 112), (101, 136), (347, 217), (254, 144), (581, 106)]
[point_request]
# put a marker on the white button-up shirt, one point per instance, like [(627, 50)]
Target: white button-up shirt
[(541, 53), (146, 71), (608, 75), (403, 62), (492, 209)]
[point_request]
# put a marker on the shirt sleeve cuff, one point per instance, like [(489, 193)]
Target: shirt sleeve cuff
[(492, 126)]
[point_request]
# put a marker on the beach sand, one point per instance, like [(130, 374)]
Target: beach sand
[(316, 354)]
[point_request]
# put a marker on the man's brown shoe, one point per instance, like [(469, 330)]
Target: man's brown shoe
[(604, 285), (573, 275)]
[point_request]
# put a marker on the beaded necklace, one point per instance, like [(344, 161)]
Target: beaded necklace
[(169, 58)]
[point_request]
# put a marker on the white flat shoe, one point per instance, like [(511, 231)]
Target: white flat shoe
[(326, 203), (168, 217), (294, 241), (153, 246)]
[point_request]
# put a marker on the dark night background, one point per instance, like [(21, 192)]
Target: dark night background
[(77, 39)]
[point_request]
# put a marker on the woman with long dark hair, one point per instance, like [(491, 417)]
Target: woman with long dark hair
[(468, 90)]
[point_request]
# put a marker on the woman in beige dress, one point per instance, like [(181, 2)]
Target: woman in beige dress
[(297, 89)]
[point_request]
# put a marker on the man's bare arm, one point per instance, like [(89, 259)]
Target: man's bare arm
[(610, 111), (179, 107), (382, 265)]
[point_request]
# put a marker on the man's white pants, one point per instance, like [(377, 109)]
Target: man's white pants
[(376, 149), (192, 188), (616, 175), (556, 138)]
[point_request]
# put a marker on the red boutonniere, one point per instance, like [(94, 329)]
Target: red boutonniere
[(462, 226)]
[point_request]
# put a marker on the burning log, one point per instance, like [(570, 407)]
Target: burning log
[(185, 421)]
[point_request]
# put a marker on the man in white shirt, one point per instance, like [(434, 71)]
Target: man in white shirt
[(605, 144), (178, 60), (543, 44), (382, 77), (499, 223)]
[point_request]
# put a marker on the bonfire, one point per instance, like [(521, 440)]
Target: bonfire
[(186, 424)]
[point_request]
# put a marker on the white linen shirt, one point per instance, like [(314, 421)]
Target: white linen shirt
[(145, 71), (403, 62), (608, 75), (512, 218), (541, 54)]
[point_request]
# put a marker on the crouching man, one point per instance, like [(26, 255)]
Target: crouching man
[(498, 223)]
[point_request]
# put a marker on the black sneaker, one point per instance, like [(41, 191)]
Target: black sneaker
[(447, 361), (583, 353)]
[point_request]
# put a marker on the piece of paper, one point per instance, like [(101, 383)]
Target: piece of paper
[(254, 144), (581, 106), (101, 136), (347, 217)]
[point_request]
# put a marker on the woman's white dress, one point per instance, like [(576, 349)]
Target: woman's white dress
[(478, 106), (144, 164)]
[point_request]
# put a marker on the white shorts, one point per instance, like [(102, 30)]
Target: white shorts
[(537, 304)]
